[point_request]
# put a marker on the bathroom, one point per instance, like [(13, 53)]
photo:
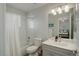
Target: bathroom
[(40, 29)]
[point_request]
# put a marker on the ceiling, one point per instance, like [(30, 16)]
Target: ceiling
[(26, 6)]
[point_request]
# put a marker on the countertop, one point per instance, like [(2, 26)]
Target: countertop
[(68, 44)]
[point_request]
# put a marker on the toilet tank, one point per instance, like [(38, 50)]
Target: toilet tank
[(37, 41)]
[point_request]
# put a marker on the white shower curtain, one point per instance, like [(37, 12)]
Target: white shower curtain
[(12, 42)]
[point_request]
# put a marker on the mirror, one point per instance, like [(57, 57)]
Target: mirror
[(61, 22)]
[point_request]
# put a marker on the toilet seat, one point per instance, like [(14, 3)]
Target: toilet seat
[(32, 49)]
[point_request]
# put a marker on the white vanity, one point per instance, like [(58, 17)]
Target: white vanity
[(64, 48)]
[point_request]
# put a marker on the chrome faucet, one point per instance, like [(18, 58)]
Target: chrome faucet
[(56, 38)]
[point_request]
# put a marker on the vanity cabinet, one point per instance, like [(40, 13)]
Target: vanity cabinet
[(55, 51)]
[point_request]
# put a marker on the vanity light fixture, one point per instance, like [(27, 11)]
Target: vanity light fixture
[(61, 9), (54, 12)]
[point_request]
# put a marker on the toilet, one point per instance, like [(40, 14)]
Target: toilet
[(31, 50)]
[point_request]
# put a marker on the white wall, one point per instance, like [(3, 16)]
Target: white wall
[(76, 34), (2, 42)]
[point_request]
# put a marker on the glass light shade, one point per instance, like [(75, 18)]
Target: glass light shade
[(54, 12), (66, 8), (59, 10)]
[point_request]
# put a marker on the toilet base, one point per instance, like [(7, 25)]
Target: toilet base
[(33, 54)]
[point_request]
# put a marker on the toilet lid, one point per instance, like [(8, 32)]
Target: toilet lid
[(31, 49)]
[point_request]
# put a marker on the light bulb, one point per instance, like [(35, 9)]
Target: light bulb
[(54, 12), (59, 10), (66, 9)]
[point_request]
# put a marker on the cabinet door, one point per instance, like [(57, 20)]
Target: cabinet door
[(55, 51), (48, 53)]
